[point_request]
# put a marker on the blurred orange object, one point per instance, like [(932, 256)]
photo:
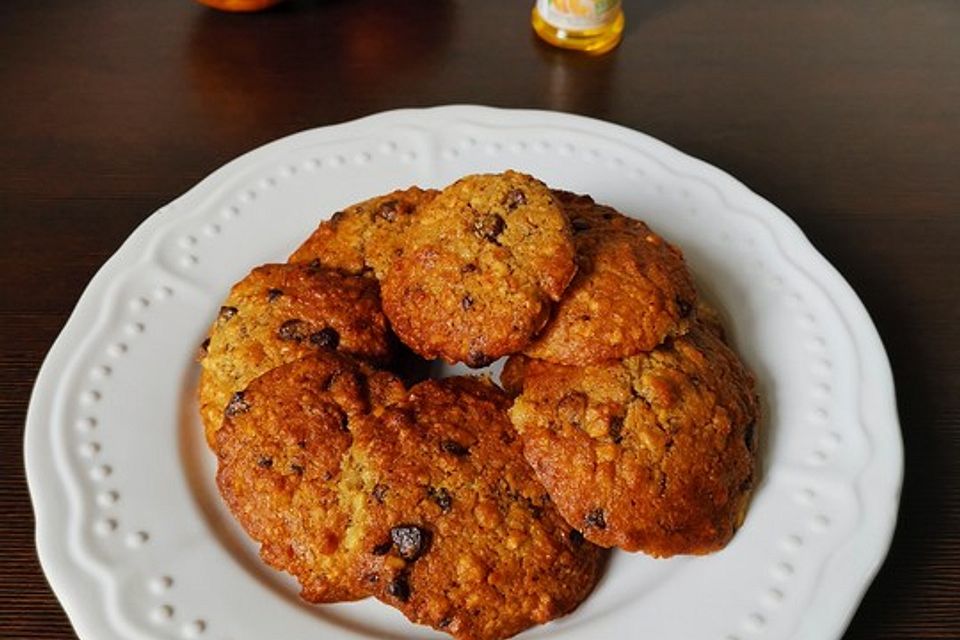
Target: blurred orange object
[(240, 5)]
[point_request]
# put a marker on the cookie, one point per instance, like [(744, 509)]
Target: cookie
[(512, 373), (462, 536), (631, 292), (483, 263), (280, 313), (281, 452), (364, 237), (652, 453), (710, 319)]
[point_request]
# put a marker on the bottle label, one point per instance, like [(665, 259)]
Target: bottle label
[(578, 15)]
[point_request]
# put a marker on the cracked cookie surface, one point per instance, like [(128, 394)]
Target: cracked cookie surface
[(632, 289), (462, 536), (653, 453), (367, 236), (483, 263), (280, 313), (283, 468)]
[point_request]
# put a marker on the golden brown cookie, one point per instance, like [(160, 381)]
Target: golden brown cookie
[(364, 237), (711, 319), (281, 313), (462, 536), (632, 290), (512, 374), (652, 453), (483, 262), (281, 453)]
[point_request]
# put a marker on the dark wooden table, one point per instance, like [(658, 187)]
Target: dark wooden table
[(845, 113)]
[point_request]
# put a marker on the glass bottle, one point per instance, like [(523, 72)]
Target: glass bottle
[(594, 26)]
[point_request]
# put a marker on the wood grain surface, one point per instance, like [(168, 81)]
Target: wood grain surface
[(844, 113)]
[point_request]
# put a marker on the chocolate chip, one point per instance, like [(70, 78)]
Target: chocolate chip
[(302, 444), (468, 268), (515, 198), (237, 405), (410, 541), (379, 492), (297, 469), (615, 429), (454, 448), (466, 302), (383, 548), (572, 408), (596, 519), (273, 294), (388, 210), (343, 420), (535, 510), (579, 224), (576, 538), (204, 348), (442, 497), (399, 588), (293, 330), (326, 338), (314, 265), (336, 216), (477, 359), (265, 462), (489, 227), (684, 307), (372, 578), (446, 621), (748, 436), (227, 312)]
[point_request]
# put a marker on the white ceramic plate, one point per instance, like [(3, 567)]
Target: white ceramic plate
[(137, 544)]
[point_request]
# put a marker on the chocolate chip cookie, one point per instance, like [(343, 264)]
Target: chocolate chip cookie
[(632, 290), (461, 536), (483, 263), (282, 454), (280, 313), (653, 453), (365, 237)]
